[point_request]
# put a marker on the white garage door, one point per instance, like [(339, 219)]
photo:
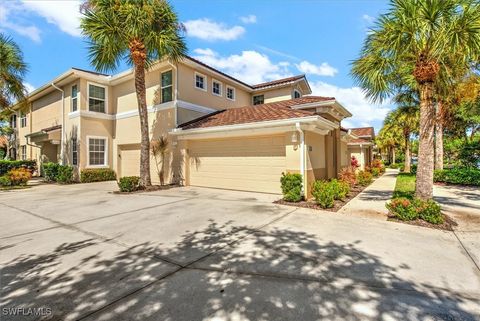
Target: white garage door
[(248, 164), (130, 160)]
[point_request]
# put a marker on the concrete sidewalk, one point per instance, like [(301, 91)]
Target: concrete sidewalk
[(371, 201)]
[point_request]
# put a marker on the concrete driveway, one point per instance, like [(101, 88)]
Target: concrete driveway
[(82, 253)]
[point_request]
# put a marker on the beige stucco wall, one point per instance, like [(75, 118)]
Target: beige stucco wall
[(273, 95), (185, 115), (345, 160), (188, 92)]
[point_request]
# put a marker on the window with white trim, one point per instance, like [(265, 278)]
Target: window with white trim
[(74, 98), (296, 94), (23, 152), (96, 98), (167, 86), (74, 152), (216, 88), (231, 93), (97, 151), (200, 81), (13, 121), (258, 99), (23, 120)]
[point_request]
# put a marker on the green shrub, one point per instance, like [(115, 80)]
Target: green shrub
[(291, 187), (324, 193), (5, 181), (364, 178), (428, 211), (97, 175), (341, 189), (413, 169), (375, 171), (128, 183), (403, 209), (7, 165), (50, 171), (459, 175), (65, 174)]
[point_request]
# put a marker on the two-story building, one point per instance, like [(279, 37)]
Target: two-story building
[(222, 132)]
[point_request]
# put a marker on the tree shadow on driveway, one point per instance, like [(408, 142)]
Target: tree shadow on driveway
[(280, 275)]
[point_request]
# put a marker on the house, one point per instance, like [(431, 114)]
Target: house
[(361, 145), (222, 132)]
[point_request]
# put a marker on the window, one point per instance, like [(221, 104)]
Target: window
[(167, 87), (97, 151), (258, 100), (74, 152), (23, 152), (13, 121), (296, 94), (231, 93), (200, 82), (23, 120), (74, 98), (96, 98), (216, 88)]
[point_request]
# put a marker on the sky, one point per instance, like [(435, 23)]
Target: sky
[(253, 40)]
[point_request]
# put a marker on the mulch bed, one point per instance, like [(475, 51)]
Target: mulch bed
[(152, 188), (448, 223), (354, 191)]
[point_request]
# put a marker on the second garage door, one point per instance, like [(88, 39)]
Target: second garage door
[(248, 164)]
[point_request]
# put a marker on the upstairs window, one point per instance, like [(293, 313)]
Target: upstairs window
[(13, 121), (200, 81), (23, 120), (74, 98), (167, 86), (216, 88), (296, 94), (258, 99), (96, 98), (231, 93)]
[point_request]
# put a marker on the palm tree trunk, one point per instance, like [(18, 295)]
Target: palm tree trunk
[(145, 179), (439, 138), (424, 184), (408, 166), (393, 155)]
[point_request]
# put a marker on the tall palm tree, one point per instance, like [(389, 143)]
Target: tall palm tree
[(12, 73), (411, 43), (141, 32), (388, 139)]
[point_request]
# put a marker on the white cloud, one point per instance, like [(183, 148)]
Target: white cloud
[(64, 14), (364, 112), (206, 29), (368, 19), (250, 66), (29, 87), (249, 19), (324, 69), (10, 20)]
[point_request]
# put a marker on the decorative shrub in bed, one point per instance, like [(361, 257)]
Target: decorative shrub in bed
[(291, 187)]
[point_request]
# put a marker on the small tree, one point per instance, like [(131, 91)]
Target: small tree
[(159, 149)]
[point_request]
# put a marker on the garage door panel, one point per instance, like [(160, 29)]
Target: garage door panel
[(252, 164), (130, 161)]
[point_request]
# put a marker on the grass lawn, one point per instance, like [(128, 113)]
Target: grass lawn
[(405, 185)]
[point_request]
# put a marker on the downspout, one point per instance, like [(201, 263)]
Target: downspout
[(302, 156), (62, 140)]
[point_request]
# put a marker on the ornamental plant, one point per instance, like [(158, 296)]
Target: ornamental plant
[(347, 175), (19, 176), (324, 193), (291, 187), (354, 162)]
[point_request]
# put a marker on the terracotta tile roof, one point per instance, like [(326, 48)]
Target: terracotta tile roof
[(49, 129), (278, 82), (3, 141), (359, 141), (251, 114), (363, 131)]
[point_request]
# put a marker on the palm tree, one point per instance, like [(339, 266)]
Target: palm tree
[(410, 44), (388, 139), (140, 32), (159, 150), (12, 73)]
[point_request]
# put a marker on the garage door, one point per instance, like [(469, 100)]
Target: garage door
[(249, 164), (130, 160)]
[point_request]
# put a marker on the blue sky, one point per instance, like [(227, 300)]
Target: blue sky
[(253, 40)]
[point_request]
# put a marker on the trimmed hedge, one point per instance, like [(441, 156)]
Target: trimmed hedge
[(324, 193), (408, 210), (128, 183), (291, 187), (7, 165), (459, 175), (97, 175), (50, 171), (54, 172)]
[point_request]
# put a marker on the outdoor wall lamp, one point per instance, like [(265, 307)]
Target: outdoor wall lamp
[(294, 137)]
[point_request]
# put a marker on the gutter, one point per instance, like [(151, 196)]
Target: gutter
[(62, 140), (302, 155)]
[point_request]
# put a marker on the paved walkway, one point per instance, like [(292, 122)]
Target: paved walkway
[(371, 202)]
